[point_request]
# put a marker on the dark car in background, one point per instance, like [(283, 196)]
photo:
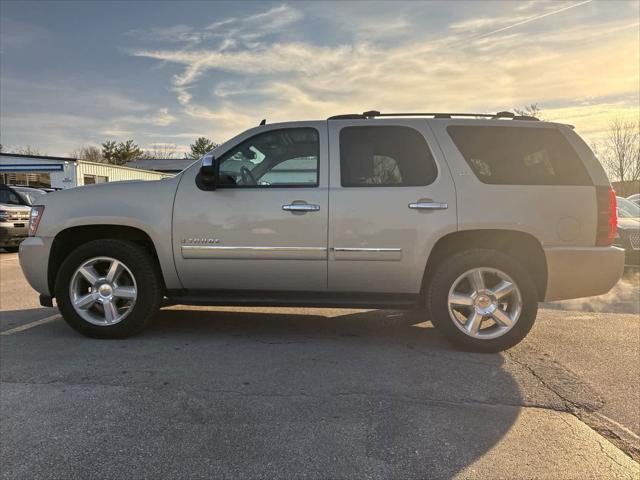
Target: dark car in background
[(629, 230), (15, 208)]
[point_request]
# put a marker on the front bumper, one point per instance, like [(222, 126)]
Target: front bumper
[(632, 249), (575, 272), (34, 260), (11, 234)]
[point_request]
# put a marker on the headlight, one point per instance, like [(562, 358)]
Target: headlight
[(4, 215), (34, 219)]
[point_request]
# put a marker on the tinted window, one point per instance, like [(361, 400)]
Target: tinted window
[(627, 209), (287, 158), (519, 155), (8, 197), (385, 157)]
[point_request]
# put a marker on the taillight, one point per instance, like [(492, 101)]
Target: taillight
[(607, 216), (34, 219)]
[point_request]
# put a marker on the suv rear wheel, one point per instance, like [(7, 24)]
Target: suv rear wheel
[(482, 300), (108, 288)]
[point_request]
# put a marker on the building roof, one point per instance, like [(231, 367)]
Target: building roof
[(173, 165), (40, 157), (6, 157)]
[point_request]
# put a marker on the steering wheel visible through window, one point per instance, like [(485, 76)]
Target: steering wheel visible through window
[(283, 157)]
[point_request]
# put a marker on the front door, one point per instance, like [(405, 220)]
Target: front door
[(265, 227), (392, 197)]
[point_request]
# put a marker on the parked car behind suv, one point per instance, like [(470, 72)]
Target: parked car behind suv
[(15, 206), (628, 236), (466, 218)]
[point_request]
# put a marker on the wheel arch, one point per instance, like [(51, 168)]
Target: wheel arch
[(70, 238), (523, 247)]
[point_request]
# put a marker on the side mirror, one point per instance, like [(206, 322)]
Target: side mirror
[(207, 177)]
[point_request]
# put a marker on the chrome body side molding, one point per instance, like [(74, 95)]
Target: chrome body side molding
[(253, 253), (388, 254)]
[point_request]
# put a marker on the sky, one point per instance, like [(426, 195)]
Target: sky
[(163, 73)]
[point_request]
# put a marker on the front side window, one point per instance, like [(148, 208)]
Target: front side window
[(277, 158), (519, 155), (382, 156)]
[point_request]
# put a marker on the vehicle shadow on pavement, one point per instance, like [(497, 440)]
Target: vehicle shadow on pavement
[(256, 394)]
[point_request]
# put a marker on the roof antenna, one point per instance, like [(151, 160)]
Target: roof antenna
[(263, 122)]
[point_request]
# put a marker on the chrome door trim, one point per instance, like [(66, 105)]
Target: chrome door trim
[(428, 206), (384, 254), (301, 207), (253, 253), (366, 249)]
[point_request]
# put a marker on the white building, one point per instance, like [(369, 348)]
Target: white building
[(60, 172)]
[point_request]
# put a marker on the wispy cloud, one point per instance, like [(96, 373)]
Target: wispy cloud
[(258, 25), (160, 118), (227, 33), (292, 79), (215, 76), (533, 19)]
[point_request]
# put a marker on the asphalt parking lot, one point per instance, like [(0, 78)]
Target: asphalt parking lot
[(311, 393)]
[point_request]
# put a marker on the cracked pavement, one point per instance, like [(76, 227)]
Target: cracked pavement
[(310, 393)]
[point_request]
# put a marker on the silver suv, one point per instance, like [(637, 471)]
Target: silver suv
[(473, 218)]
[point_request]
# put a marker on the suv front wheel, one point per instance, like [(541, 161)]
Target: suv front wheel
[(108, 288), (482, 300)]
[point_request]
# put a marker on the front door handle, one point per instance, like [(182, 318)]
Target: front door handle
[(428, 206), (301, 207)]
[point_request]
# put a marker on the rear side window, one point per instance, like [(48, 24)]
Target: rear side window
[(519, 155), (385, 157)]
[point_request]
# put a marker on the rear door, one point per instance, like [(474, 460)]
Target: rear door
[(391, 198)]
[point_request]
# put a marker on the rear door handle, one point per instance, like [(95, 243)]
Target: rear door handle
[(428, 206), (301, 207)]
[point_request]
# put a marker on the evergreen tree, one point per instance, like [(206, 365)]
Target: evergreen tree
[(201, 146)]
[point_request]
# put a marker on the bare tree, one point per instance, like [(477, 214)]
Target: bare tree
[(28, 150), (161, 151), (89, 153), (531, 110), (619, 152)]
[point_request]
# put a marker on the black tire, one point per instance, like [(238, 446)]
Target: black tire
[(12, 249), (446, 274), (142, 266)]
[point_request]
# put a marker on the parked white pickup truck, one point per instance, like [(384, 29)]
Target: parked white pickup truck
[(474, 218)]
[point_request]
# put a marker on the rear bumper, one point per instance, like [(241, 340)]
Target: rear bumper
[(575, 272), (34, 260)]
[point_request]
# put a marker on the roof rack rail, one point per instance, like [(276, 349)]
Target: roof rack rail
[(376, 113)]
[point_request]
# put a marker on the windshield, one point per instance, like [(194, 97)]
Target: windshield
[(29, 195), (627, 209)]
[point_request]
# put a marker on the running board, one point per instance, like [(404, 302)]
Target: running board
[(246, 298)]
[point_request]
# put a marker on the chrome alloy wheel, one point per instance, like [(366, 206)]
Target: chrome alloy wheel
[(103, 291), (484, 303)]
